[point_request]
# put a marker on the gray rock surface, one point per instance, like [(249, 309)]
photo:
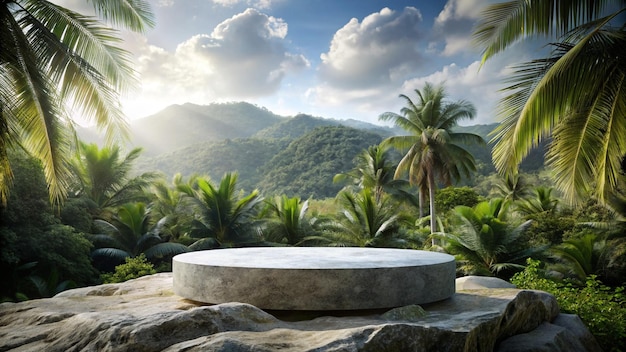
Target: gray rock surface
[(145, 315), (481, 282)]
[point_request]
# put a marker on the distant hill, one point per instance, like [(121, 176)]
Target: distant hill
[(179, 126)]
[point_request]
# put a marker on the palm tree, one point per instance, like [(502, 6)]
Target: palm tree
[(579, 257), (220, 212), (364, 222), (483, 240), (168, 210), (130, 234), (287, 221), (512, 188), (103, 176), (53, 58), (575, 96), (541, 202), (433, 150), (375, 170)]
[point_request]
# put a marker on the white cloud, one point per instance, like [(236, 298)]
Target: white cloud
[(243, 57), (377, 51), (479, 86), (258, 4), (455, 23), (165, 3), (461, 9)]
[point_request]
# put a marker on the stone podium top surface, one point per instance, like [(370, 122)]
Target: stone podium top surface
[(314, 258)]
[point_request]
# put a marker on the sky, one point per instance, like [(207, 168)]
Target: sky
[(340, 59)]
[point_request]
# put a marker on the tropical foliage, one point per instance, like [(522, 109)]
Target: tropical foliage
[(601, 308), (37, 252), (484, 242), (130, 234), (575, 96), (577, 258), (131, 269), (366, 222), (60, 59)]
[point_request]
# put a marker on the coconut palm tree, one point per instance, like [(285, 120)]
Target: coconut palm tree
[(484, 241), (433, 149), (222, 214), (51, 59), (104, 176), (576, 96)]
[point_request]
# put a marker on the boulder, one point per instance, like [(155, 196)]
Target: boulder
[(145, 315), (480, 283)]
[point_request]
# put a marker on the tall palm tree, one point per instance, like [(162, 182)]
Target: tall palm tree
[(221, 213), (104, 177), (483, 239), (51, 59), (576, 96), (433, 150)]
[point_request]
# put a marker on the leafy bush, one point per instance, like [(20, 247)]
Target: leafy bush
[(601, 308), (132, 269)]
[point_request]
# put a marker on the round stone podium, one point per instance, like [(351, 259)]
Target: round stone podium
[(315, 278)]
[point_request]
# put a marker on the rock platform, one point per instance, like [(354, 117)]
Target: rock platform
[(315, 278), (144, 315)]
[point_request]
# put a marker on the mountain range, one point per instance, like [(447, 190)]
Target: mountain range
[(296, 156)]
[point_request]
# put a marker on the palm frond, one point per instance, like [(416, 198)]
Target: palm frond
[(135, 15), (110, 253), (505, 23), (165, 250)]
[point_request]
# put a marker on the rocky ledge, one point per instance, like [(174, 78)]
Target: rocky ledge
[(145, 315)]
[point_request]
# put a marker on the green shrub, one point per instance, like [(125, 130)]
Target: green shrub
[(601, 308), (132, 269)]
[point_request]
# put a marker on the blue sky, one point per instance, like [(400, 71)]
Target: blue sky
[(342, 59)]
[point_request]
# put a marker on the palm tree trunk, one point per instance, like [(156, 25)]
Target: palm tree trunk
[(433, 216), (420, 195)]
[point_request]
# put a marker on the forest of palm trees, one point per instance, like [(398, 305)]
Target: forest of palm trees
[(72, 212)]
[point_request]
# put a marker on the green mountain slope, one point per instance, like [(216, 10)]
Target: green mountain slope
[(243, 155), (294, 127), (307, 166)]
